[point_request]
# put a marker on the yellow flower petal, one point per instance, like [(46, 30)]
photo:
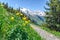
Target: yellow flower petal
[(12, 18), (24, 18), (26, 22), (17, 14)]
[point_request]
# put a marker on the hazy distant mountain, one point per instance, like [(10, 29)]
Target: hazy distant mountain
[(35, 16)]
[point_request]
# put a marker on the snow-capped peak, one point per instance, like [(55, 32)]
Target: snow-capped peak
[(37, 12), (24, 10), (40, 13)]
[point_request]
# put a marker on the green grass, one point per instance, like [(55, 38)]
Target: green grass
[(15, 28)]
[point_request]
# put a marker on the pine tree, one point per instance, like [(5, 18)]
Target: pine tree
[(53, 12), (6, 5)]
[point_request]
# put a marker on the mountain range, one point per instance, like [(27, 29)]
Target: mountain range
[(36, 17)]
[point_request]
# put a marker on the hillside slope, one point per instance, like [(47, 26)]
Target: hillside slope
[(14, 26)]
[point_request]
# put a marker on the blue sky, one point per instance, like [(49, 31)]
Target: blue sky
[(30, 4)]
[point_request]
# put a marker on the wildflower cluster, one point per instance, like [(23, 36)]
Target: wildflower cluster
[(20, 17)]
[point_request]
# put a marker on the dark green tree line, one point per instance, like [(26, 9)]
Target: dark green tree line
[(53, 12)]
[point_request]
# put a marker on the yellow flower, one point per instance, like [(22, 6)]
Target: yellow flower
[(12, 18), (24, 18), (21, 14), (26, 22), (17, 14)]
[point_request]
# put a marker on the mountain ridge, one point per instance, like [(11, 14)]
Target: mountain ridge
[(35, 16)]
